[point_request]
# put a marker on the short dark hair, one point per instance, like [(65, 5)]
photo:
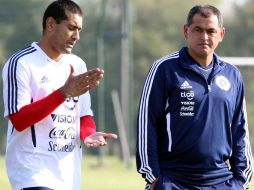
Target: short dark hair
[(205, 11), (57, 10)]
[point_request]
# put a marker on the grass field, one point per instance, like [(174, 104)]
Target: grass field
[(113, 175)]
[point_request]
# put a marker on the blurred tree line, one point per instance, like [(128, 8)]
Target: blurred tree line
[(156, 30)]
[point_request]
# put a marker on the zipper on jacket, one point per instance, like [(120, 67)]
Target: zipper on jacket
[(209, 87), (208, 84)]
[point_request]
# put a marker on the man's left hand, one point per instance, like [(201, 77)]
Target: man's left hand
[(98, 139)]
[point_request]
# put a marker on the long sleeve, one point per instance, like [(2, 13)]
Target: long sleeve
[(241, 160), (87, 126), (152, 105), (36, 111)]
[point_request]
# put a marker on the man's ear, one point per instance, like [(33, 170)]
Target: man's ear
[(185, 31), (222, 33), (50, 23)]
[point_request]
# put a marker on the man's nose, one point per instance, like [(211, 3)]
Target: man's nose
[(204, 35), (76, 35)]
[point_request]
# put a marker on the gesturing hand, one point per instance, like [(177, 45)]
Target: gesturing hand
[(77, 85), (98, 139)]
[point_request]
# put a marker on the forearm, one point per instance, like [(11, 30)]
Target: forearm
[(147, 161), (36, 111), (87, 126), (151, 110), (146, 155), (241, 163), (241, 160)]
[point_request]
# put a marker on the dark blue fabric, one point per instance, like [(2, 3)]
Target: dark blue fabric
[(166, 183), (37, 188), (206, 120)]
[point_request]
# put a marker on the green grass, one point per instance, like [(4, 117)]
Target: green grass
[(112, 175), (3, 176)]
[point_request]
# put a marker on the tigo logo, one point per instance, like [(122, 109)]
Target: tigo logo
[(189, 95)]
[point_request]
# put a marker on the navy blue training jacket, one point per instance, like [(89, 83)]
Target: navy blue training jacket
[(189, 128)]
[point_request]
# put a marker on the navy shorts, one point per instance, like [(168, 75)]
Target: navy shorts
[(36, 188), (166, 183)]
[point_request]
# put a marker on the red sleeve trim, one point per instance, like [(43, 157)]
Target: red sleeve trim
[(36, 111), (87, 126)]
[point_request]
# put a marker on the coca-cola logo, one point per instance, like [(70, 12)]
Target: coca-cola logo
[(68, 133)]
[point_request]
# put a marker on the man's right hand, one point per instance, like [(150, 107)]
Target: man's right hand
[(153, 184), (77, 85)]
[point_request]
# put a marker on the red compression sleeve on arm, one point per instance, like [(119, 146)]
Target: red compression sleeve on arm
[(87, 126), (36, 111)]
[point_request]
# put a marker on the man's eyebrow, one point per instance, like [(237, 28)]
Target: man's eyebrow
[(74, 25), (199, 27)]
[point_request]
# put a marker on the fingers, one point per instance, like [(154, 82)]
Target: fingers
[(80, 84), (107, 135), (89, 79), (95, 143), (98, 139), (110, 135), (95, 70)]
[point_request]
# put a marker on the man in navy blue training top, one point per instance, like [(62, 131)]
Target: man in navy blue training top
[(192, 131)]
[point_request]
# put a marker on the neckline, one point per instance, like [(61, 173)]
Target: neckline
[(35, 44)]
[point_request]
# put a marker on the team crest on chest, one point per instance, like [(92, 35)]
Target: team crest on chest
[(222, 82)]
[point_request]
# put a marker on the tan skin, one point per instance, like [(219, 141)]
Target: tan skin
[(59, 39), (203, 36)]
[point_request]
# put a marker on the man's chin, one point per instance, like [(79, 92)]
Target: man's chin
[(205, 51), (67, 51)]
